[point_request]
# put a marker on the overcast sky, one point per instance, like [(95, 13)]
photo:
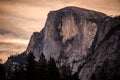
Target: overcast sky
[(20, 18)]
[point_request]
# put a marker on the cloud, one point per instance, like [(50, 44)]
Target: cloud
[(4, 31), (9, 30), (17, 27), (11, 47), (37, 2), (8, 48), (110, 7)]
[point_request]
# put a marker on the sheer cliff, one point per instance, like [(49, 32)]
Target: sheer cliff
[(67, 35), (103, 61), (86, 40)]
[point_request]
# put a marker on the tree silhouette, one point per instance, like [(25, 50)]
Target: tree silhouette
[(2, 72), (31, 66), (37, 70), (75, 76), (42, 68), (20, 73), (53, 71), (66, 73)]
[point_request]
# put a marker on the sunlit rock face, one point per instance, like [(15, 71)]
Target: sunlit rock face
[(67, 36), (69, 28)]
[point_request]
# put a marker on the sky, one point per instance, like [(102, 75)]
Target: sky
[(20, 18)]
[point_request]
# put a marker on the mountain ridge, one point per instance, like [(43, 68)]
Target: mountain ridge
[(73, 36)]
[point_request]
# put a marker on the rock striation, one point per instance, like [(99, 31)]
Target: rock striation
[(103, 62)]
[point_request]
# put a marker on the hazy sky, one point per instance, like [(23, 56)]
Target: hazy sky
[(20, 18)]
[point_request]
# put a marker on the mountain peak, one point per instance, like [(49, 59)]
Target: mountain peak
[(68, 32), (77, 38)]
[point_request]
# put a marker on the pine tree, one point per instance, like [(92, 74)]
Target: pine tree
[(53, 71), (66, 73), (2, 72), (42, 68), (31, 66)]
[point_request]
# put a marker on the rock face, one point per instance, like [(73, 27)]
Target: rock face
[(103, 62), (85, 40), (67, 35)]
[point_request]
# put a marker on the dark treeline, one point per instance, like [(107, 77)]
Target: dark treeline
[(37, 70)]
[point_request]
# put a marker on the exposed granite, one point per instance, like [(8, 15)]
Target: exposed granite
[(103, 62), (67, 35), (87, 41)]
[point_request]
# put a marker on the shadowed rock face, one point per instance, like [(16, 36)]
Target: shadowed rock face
[(103, 61), (67, 35)]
